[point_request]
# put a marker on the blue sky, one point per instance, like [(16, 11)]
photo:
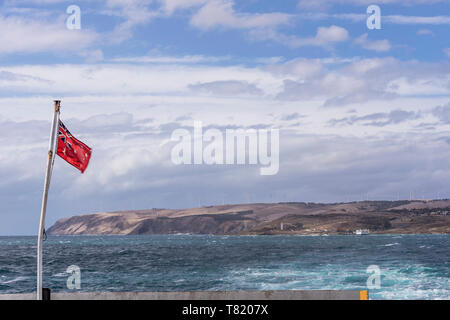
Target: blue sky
[(363, 114), (176, 31)]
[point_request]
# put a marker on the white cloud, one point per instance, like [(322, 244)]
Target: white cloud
[(377, 45), (220, 13), (442, 113), (125, 78), (208, 14), (92, 56), (161, 59), (172, 5), (423, 32), (390, 19), (339, 83), (331, 34), (325, 37), (300, 68), (368, 79), (326, 4), (379, 119), (399, 19), (22, 35), (227, 88), (133, 12), (314, 82)]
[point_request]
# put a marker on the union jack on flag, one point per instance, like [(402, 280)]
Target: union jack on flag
[(72, 150)]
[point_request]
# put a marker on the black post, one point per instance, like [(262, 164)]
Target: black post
[(46, 294)]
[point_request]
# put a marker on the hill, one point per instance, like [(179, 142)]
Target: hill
[(262, 218)]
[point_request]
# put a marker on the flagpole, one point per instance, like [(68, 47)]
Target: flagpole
[(51, 155)]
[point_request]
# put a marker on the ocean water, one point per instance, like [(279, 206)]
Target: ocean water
[(411, 266)]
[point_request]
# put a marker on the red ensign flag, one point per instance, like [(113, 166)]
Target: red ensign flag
[(72, 150)]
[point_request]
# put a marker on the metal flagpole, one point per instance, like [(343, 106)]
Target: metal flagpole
[(51, 157)]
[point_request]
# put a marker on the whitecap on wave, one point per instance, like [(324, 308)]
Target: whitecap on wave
[(13, 280)]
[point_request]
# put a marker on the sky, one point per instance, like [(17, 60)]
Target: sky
[(362, 113)]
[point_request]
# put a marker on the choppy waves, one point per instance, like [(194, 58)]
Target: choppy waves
[(411, 266)]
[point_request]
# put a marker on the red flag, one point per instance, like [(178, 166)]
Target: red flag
[(72, 150)]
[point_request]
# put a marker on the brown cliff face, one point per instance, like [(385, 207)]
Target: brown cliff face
[(278, 218)]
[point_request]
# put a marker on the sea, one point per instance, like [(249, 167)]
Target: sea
[(389, 266)]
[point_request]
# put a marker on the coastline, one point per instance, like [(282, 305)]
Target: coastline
[(379, 217)]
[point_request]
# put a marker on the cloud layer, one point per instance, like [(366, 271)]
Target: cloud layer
[(362, 114)]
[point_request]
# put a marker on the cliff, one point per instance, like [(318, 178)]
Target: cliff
[(260, 218)]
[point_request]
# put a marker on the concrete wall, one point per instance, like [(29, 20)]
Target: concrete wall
[(202, 295)]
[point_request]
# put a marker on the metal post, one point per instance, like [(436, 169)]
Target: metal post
[(51, 155)]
